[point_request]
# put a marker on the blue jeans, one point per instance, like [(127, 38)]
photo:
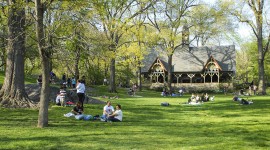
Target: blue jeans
[(113, 119)]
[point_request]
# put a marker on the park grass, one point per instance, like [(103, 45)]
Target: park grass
[(222, 124)]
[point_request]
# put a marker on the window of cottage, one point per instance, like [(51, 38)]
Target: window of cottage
[(211, 68)]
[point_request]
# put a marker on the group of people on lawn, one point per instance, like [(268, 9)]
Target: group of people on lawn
[(109, 114), (80, 88), (199, 98), (166, 93)]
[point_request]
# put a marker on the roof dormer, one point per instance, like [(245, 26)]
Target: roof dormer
[(212, 66)]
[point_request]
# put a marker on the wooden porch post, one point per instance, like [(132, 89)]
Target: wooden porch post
[(191, 76)]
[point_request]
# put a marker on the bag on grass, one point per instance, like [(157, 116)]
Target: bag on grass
[(165, 104)]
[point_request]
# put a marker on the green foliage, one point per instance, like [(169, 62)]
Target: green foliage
[(28, 79), (209, 24), (222, 124), (246, 62)]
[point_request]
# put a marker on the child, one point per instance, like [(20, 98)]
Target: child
[(57, 100), (62, 95)]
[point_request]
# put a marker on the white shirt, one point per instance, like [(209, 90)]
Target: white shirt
[(119, 114), (80, 88), (57, 100), (108, 109)]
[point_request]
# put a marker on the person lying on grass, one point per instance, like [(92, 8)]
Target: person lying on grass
[(117, 115), (242, 101)]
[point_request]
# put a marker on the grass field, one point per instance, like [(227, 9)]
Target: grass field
[(222, 124)]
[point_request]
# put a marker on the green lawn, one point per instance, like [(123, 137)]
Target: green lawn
[(222, 124)]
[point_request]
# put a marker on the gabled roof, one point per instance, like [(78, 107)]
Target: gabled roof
[(215, 62), (161, 62), (194, 59)]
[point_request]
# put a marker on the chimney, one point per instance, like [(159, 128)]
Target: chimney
[(185, 36)]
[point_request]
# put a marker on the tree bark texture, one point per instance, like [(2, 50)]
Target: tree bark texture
[(45, 63), (112, 76), (169, 73), (261, 82), (261, 55), (13, 92)]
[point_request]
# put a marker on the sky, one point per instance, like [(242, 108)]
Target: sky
[(243, 30)]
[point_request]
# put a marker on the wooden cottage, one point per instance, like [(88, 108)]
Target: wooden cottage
[(201, 67)]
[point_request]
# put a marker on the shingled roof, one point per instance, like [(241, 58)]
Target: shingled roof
[(194, 59)]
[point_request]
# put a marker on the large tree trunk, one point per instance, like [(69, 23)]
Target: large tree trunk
[(112, 76), (45, 59), (13, 92), (170, 73), (261, 86), (259, 21)]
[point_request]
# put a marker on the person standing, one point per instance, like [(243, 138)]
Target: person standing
[(134, 88), (83, 80), (69, 82), (73, 82), (80, 91), (64, 79), (104, 81)]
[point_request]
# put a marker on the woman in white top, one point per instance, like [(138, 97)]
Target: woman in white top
[(80, 91), (117, 115)]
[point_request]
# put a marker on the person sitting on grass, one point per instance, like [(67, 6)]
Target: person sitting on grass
[(180, 92), (117, 115), (77, 110), (202, 98), (58, 100), (107, 110), (198, 99), (62, 95), (131, 92), (39, 79), (206, 96), (192, 98)]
